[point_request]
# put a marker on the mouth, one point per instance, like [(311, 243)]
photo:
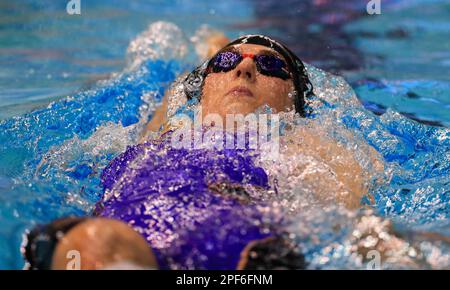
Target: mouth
[(240, 91)]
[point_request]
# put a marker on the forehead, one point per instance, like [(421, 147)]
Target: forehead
[(254, 49)]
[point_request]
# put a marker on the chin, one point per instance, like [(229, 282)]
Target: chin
[(237, 108)]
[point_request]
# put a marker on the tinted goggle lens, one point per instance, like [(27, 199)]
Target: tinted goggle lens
[(226, 61), (269, 65)]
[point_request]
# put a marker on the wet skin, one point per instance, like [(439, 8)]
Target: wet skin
[(244, 89)]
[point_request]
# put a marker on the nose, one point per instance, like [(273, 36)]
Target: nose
[(246, 69)]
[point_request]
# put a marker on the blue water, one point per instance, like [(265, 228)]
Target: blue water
[(46, 53), (402, 58)]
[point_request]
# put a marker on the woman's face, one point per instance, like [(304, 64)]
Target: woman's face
[(244, 89)]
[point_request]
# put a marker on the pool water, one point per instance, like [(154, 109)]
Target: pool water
[(60, 125)]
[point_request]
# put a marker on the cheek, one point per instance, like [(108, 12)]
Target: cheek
[(275, 92), (213, 85), (207, 88), (217, 81)]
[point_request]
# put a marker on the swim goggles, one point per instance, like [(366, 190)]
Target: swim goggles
[(266, 63)]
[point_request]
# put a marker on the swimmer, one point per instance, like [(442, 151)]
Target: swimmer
[(255, 71), (243, 76)]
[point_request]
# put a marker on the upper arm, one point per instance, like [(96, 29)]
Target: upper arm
[(347, 179), (158, 119)]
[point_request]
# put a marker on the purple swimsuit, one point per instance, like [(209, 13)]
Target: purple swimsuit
[(197, 208)]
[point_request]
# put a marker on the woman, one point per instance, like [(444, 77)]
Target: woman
[(202, 216), (244, 75)]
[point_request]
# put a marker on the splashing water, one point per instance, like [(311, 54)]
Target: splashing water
[(51, 161)]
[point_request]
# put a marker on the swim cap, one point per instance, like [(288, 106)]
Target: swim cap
[(42, 240), (193, 83)]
